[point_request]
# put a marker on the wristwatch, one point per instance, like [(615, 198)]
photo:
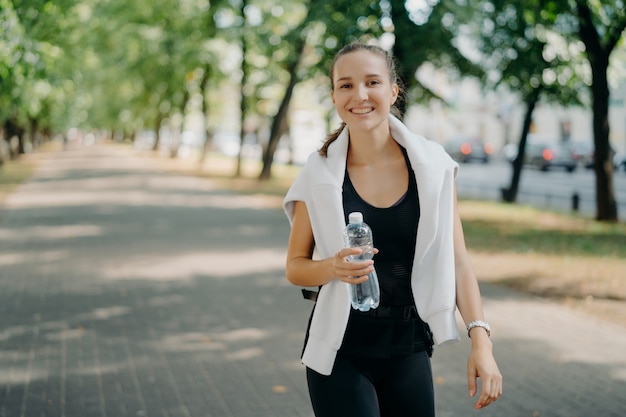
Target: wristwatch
[(479, 323)]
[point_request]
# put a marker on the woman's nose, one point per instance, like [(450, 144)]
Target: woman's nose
[(361, 93)]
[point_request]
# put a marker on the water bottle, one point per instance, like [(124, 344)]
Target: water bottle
[(359, 235)]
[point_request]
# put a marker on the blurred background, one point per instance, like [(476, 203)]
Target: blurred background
[(132, 286), (538, 84)]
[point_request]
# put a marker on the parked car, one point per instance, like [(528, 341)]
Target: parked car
[(583, 152), (545, 156), (467, 150)]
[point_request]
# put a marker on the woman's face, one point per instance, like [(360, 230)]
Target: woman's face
[(362, 91)]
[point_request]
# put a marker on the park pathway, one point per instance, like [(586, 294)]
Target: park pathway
[(127, 290)]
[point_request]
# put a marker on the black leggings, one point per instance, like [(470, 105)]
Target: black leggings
[(400, 386)]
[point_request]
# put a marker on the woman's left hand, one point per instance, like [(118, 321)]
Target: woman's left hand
[(481, 364)]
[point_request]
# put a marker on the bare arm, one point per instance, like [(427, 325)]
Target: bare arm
[(302, 270), (468, 297), (481, 363)]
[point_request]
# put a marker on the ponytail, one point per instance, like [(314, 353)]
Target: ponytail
[(330, 139)]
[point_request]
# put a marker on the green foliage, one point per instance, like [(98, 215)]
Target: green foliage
[(430, 36), (146, 52), (18, 60), (32, 80), (522, 48), (123, 65)]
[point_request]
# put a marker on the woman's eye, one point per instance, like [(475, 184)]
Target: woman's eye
[(344, 86), (374, 82)]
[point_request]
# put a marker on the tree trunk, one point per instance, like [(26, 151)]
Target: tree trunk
[(509, 195), (598, 54), (606, 207), (279, 124), (403, 24), (12, 129), (21, 145), (206, 146), (175, 144), (244, 81), (280, 119), (35, 137), (157, 134)]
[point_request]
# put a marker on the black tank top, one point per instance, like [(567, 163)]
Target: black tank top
[(394, 230), (370, 334)]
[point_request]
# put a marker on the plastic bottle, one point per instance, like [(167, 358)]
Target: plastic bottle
[(358, 234)]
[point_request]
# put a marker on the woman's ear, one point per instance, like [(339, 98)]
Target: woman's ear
[(395, 90)]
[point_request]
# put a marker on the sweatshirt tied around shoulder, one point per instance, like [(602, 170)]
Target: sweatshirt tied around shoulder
[(319, 186)]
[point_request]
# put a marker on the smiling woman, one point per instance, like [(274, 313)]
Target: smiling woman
[(375, 81), (362, 93), (376, 363)]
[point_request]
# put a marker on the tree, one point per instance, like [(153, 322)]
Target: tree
[(245, 69), (138, 58), (327, 26), (12, 43), (523, 40), (600, 28), (29, 83), (521, 51), (428, 36)]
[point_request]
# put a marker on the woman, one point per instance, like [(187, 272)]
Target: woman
[(377, 363)]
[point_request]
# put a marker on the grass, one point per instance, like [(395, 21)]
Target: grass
[(495, 227), (546, 253), (577, 261), (14, 173)]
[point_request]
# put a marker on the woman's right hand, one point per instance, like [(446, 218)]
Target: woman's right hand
[(349, 271)]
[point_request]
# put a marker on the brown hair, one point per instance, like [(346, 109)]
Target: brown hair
[(393, 77)]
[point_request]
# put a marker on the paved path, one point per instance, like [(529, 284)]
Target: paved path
[(129, 291)]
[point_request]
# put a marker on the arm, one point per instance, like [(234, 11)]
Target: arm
[(481, 363), (302, 270)]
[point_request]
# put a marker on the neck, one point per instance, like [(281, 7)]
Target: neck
[(367, 148)]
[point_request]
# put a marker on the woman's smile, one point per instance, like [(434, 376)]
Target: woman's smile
[(362, 110)]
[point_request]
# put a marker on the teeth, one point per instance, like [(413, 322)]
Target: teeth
[(362, 111)]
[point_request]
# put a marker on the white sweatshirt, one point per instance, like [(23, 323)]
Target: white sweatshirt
[(319, 186)]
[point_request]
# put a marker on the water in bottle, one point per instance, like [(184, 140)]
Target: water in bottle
[(366, 295)]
